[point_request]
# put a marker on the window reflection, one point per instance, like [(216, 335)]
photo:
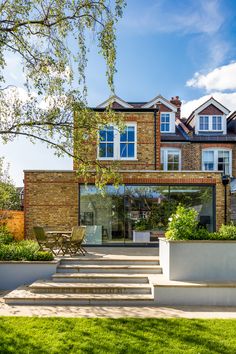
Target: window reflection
[(111, 215)]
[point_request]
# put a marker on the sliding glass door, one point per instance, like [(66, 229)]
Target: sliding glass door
[(111, 215)]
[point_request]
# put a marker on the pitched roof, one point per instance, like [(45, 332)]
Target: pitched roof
[(162, 100), (113, 99), (212, 101)]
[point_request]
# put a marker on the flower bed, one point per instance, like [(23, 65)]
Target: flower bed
[(190, 253), (22, 262)]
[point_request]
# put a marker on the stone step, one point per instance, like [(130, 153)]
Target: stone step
[(100, 278), (45, 286), (140, 269), (110, 261), (23, 296), (173, 293)]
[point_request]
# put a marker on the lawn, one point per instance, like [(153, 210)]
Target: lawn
[(29, 335)]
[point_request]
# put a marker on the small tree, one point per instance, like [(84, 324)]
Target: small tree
[(9, 196), (51, 39)]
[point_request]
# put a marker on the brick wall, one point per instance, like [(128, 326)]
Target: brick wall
[(51, 198), (191, 154), (145, 142)]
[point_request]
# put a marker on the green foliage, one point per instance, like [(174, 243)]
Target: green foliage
[(226, 232), (9, 196), (183, 225), (23, 251), (51, 41), (160, 214), (60, 335), (5, 236), (142, 225)]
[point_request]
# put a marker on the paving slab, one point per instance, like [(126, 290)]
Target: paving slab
[(117, 312)]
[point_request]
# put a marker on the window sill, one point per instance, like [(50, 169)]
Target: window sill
[(210, 131), (169, 132), (110, 159)]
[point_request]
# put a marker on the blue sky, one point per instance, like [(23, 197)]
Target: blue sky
[(169, 47)]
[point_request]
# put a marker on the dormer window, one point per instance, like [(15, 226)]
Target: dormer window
[(167, 123), (210, 123), (217, 123), (203, 123)]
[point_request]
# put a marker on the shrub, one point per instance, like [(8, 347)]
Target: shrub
[(142, 225), (183, 224), (226, 232), (23, 251), (5, 236)]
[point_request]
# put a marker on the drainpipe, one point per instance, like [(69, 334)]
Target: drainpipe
[(156, 108), (225, 182)]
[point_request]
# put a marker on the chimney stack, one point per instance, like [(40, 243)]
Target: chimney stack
[(176, 101)]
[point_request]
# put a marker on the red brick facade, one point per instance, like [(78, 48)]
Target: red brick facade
[(52, 198)]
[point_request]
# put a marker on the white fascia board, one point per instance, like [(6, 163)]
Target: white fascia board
[(161, 99), (114, 99), (215, 103)]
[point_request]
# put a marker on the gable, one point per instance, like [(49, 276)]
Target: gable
[(211, 110), (158, 101), (116, 102)]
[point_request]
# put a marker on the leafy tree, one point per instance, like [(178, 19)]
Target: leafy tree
[(50, 37), (9, 196)]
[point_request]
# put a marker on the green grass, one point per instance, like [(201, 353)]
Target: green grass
[(127, 335)]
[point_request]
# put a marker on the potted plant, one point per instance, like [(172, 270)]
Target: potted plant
[(191, 253), (141, 233)]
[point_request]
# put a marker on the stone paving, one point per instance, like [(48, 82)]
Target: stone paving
[(116, 312)]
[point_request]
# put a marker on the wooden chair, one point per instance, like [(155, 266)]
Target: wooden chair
[(44, 242), (72, 244)]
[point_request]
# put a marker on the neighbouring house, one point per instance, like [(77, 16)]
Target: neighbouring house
[(164, 160)]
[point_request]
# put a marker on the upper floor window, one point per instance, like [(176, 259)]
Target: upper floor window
[(210, 123), (203, 123), (216, 123), (127, 142), (106, 142), (165, 122), (170, 159), (217, 160), (115, 144)]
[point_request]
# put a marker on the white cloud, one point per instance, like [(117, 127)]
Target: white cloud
[(227, 99), (182, 16), (221, 78)]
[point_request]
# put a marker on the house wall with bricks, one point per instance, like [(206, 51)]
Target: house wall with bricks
[(52, 197)]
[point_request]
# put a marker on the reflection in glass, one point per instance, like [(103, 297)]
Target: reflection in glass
[(116, 210)]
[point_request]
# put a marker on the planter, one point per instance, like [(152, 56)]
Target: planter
[(141, 236), (198, 260), (16, 273)]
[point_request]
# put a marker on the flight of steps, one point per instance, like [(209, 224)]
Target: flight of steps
[(101, 281)]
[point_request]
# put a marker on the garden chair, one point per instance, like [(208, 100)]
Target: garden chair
[(73, 243), (45, 242)]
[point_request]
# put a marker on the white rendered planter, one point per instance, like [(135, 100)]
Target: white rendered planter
[(141, 236), (198, 260), (16, 273)]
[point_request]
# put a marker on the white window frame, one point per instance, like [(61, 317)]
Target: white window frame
[(216, 152), (217, 130), (172, 122), (165, 152), (117, 143), (210, 123)]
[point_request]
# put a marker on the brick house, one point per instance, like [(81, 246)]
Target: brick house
[(163, 160)]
